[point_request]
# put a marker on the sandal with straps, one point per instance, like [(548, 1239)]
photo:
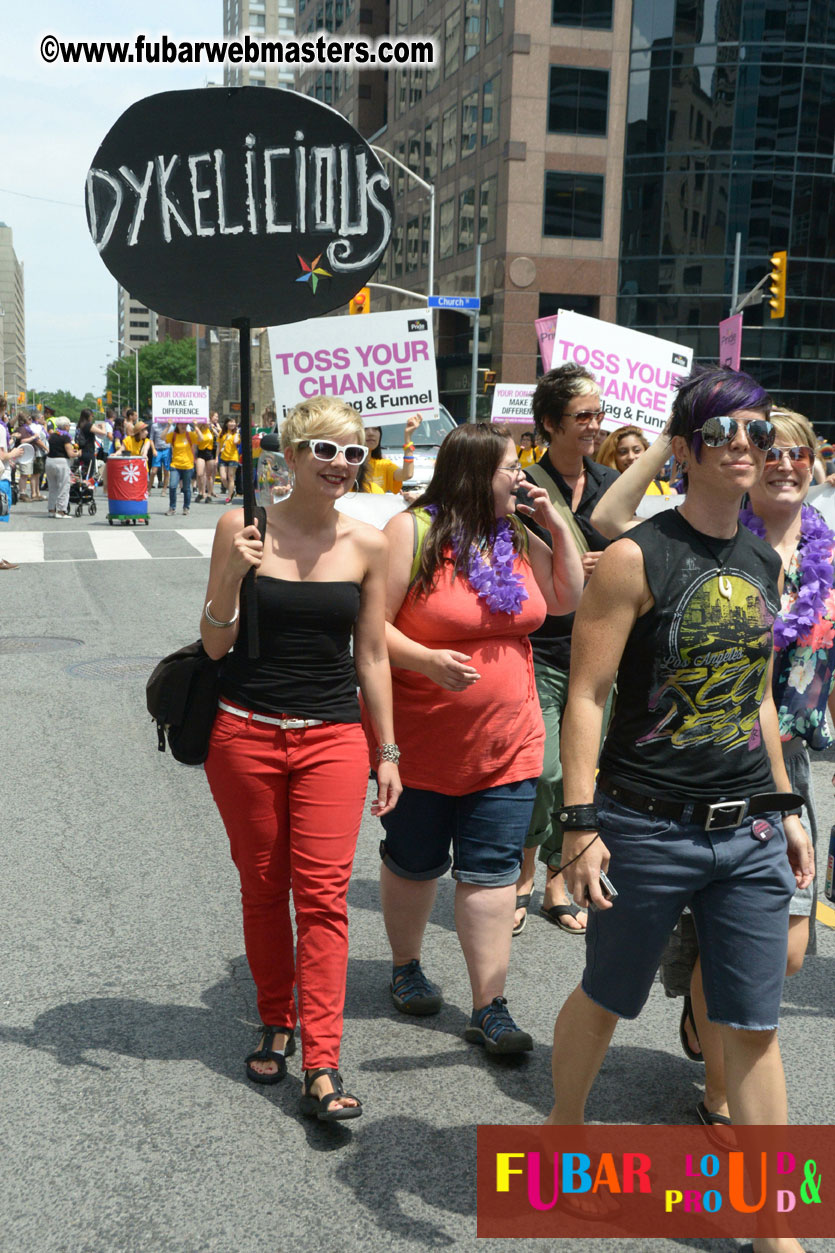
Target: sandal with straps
[(320, 1107), (265, 1054)]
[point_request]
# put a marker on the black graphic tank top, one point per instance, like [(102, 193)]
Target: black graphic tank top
[(693, 672)]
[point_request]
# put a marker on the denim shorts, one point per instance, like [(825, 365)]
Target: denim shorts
[(738, 890), (486, 830)]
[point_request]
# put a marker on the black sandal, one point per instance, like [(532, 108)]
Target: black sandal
[(320, 1107), (522, 902), (265, 1054), (687, 1016)]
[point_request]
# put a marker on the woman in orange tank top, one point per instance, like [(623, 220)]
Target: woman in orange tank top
[(466, 585)]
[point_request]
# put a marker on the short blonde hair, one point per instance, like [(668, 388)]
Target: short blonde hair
[(794, 426), (322, 417)]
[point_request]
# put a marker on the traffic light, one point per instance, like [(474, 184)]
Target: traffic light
[(489, 380), (21, 398), (777, 284), (361, 303), (109, 396)]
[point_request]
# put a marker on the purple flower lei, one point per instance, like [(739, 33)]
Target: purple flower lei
[(816, 573), (494, 580)]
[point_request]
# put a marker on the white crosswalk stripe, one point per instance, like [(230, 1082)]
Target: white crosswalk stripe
[(122, 544)]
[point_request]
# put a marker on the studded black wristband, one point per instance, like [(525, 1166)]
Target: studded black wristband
[(578, 817)]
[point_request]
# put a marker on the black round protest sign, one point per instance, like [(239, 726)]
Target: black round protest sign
[(220, 204)]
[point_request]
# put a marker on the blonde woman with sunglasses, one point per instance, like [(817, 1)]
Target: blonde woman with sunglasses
[(288, 760)]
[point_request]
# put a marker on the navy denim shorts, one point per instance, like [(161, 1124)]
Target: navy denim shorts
[(738, 889), (486, 830)]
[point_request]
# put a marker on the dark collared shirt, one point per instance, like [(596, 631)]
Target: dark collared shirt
[(552, 642)]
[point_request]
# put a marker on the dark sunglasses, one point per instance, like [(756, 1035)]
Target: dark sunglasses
[(798, 452), (327, 450), (588, 415), (716, 432)]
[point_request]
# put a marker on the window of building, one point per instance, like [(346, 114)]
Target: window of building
[(448, 138), (328, 86), (490, 110), (430, 150), (424, 242), (399, 176), (412, 244), (401, 93), (466, 219), (401, 24), (578, 100), (397, 256), (414, 154), (286, 24), (433, 71), (417, 9), (592, 14), (257, 22), (446, 224), (472, 28), (415, 88), (573, 205), (487, 210), (469, 123), (493, 19), (452, 43)]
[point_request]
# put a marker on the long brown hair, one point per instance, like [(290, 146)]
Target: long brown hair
[(607, 453), (462, 490)]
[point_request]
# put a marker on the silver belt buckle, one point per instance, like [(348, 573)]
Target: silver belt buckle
[(725, 814)]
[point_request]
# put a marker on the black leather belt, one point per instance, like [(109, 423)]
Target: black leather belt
[(713, 816)]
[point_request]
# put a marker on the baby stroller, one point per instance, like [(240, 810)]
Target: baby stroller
[(82, 490)]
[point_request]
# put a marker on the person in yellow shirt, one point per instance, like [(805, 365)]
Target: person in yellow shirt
[(229, 455), (206, 459), (382, 473), (625, 445), (529, 453), (183, 441), (137, 444)]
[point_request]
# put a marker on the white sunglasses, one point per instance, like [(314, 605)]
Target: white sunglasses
[(328, 450)]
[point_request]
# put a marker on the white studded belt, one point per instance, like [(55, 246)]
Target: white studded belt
[(286, 724)]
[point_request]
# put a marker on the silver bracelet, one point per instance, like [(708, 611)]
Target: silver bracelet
[(214, 622), (388, 752)]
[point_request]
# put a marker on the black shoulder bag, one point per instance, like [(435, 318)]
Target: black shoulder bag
[(182, 694)]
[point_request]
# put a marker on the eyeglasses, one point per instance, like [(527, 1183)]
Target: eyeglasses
[(327, 450), (588, 415), (514, 467), (716, 432), (798, 452)]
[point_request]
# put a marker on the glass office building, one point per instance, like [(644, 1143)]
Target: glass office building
[(731, 128)]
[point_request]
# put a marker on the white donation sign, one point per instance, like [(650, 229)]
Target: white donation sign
[(512, 403), (180, 404), (382, 363)]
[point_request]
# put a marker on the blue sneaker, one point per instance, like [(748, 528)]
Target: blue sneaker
[(412, 992), (494, 1028)]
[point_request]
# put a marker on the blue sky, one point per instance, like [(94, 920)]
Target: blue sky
[(53, 120)]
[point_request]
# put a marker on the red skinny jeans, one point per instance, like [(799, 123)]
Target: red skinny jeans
[(292, 802)]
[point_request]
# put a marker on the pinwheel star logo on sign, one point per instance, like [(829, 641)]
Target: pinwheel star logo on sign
[(130, 474), (313, 272)]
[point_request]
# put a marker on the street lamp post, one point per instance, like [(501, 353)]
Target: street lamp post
[(135, 352), (381, 152)]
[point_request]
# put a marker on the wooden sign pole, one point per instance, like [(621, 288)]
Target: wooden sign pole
[(245, 367)]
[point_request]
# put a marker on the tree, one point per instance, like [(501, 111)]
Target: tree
[(170, 363), (65, 404)]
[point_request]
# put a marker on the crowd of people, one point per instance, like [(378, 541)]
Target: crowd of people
[(538, 670)]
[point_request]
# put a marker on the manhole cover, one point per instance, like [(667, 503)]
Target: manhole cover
[(114, 669), (36, 644)]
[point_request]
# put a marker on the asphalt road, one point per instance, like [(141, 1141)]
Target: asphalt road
[(127, 1006)]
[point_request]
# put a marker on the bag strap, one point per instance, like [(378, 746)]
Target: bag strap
[(543, 479), (421, 522)]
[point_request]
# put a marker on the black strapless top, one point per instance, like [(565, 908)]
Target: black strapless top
[(305, 669)]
